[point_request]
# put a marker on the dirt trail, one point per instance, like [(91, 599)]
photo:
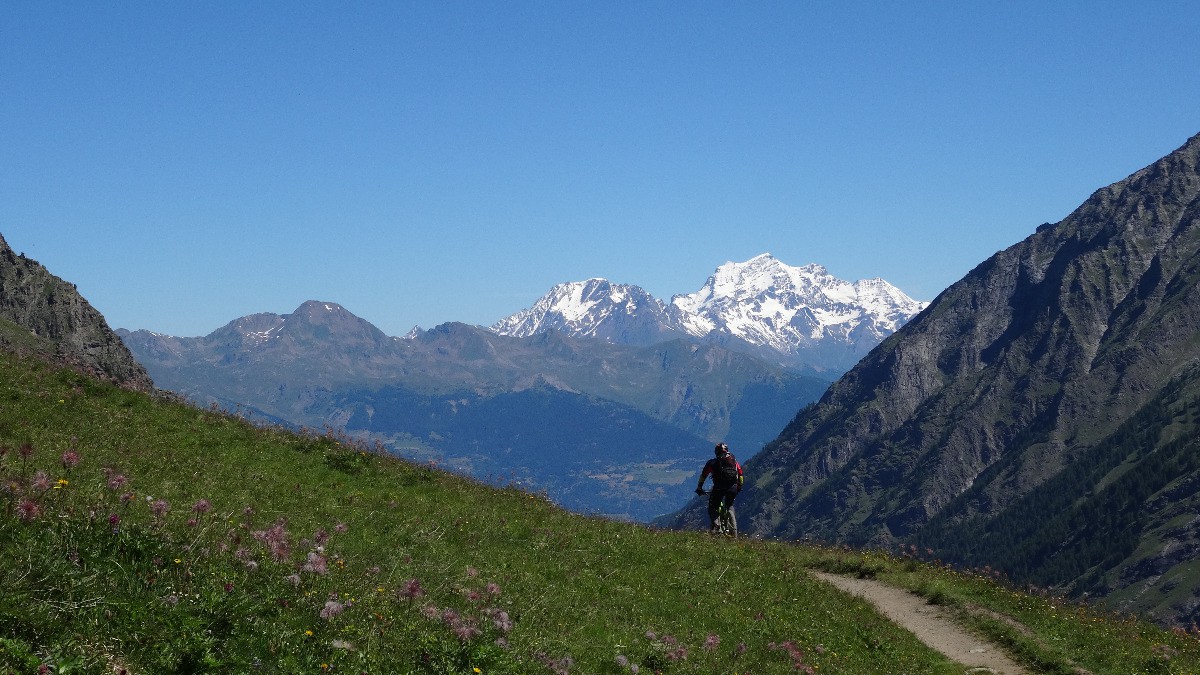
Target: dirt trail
[(931, 624)]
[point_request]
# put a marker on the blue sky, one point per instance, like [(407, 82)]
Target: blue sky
[(189, 163)]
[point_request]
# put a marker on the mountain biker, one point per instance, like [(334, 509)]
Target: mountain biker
[(727, 481)]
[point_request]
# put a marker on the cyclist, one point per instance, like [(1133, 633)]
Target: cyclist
[(727, 481)]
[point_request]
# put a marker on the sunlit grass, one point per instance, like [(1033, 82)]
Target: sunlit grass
[(185, 540)]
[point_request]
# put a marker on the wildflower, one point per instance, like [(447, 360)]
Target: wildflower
[(202, 506), (114, 520), (116, 481), (501, 620), (316, 564), (493, 588), (465, 631), (276, 540), (192, 522), (159, 507), (26, 450), (40, 482), (127, 497), (70, 459), (711, 642), (411, 590), (340, 527), (61, 483), (293, 579), (308, 633), (332, 608), (28, 509)]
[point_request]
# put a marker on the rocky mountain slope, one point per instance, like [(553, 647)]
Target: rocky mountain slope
[(801, 317), (1043, 407), (40, 313)]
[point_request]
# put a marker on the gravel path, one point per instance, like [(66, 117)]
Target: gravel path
[(930, 623)]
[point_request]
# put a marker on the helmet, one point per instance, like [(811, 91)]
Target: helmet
[(721, 449)]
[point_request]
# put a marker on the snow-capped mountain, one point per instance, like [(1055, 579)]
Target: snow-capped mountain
[(800, 316), (596, 308)]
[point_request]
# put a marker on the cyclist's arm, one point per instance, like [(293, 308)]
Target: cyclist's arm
[(708, 469)]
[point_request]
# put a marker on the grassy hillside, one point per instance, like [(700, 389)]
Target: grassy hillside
[(143, 535)]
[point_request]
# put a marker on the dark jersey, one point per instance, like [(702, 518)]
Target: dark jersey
[(725, 471)]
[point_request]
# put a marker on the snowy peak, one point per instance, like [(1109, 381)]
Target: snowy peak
[(794, 310), (767, 302), (804, 315), (595, 308)]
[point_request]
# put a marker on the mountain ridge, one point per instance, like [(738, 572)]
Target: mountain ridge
[(321, 365), (801, 317), (47, 315), (1027, 366)]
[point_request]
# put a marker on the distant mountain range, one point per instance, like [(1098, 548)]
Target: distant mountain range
[(600, 427), (1041, 416), (800, 317), (600, 395)]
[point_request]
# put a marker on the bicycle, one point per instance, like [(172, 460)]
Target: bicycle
[(726, 520)]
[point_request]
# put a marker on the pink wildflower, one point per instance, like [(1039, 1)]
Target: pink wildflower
[(412, 589), (117, 481), (159, 507), (712, 642), (28, 510), (340, 528), (332, 609), (26, 450), (40, 482), (202, 506), (317, 564), (502, 621), (493, 588), (465, 631), (70, 459)]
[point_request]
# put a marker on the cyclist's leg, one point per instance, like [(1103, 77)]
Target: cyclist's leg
[(714, 505)]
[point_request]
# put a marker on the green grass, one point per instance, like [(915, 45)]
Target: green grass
[(394, 567)]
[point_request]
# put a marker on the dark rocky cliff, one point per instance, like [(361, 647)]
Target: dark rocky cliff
[(43, 314), (1019, 371)]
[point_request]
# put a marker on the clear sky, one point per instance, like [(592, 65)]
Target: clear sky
[(187, 163)]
